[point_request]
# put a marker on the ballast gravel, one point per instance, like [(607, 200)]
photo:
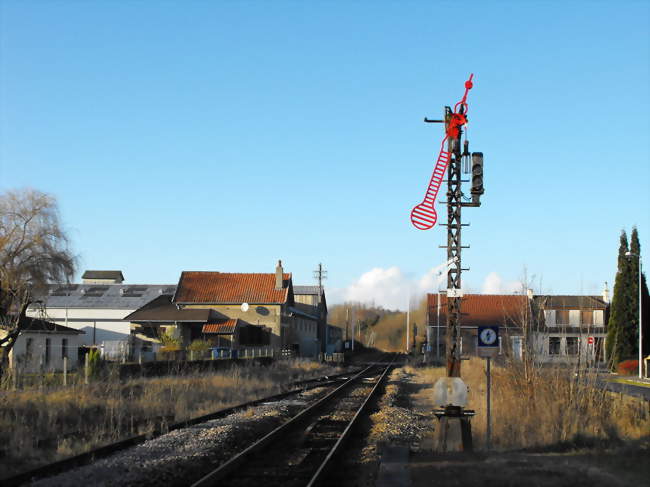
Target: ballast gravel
[(182, 456)]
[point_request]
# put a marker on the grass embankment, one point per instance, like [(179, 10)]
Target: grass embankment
[(545, 407), (40, 426)]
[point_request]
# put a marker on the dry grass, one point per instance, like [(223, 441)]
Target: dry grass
[(545, 406), (38, 427), (381, 420)]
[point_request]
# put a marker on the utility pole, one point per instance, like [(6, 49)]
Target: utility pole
[(320, 274), (352, 327), (408, 312), (347, 323)]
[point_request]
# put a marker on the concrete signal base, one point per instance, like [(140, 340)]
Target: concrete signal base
[(454, 432)]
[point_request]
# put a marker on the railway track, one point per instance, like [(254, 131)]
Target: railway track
[(301, 451), (107, 450)]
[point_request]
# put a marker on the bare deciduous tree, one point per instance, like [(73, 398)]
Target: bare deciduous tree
[(34, 251)]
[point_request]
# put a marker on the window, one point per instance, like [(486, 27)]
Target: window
[(572, 345), (562, 316), (47, 350), (598, 318), (554, 346), (64, 348), (574, 317), (549, 317), (29, 348), (587, 317)]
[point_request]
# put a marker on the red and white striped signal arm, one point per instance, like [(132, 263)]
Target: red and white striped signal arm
[(424, 216)]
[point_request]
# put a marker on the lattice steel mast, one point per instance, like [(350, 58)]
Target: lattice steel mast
[(450, 393), (454, 248)]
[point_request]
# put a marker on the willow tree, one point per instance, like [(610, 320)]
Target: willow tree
[(34, 252)]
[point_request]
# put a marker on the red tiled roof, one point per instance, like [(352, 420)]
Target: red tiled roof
[(483, 309), (230, 288), (222, 327)]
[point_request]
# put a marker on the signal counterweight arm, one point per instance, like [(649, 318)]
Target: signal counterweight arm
[(424, 216)]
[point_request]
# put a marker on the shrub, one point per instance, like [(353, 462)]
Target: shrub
[(199, 349), (170, 342), (94, 362), (628, 367), (199, 346)]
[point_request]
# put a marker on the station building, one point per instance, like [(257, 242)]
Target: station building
[(556, 329)]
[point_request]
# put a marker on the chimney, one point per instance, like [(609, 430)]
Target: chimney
[(529, 292), (606, 293), (279, 274)]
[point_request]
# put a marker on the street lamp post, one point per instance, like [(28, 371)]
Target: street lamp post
[(640, 267)]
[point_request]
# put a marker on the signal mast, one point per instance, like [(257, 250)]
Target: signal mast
[(450, 393)]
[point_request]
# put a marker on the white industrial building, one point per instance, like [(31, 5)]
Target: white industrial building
[(97, 306)]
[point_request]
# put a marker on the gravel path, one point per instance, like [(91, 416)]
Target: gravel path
[(184, 455)]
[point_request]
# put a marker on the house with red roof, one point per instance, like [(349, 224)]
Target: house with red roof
[(512, 313), (234, 310), (558, 329)]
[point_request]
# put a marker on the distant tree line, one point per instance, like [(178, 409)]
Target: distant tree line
[(386, 327)]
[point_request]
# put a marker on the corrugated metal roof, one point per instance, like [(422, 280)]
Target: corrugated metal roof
[(162, 309), (108, 296), (221, 327), (306, 290), (231, 288), (103, 275), (483, 309)]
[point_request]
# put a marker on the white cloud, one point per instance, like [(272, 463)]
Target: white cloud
[(494, 284), (386, 287), (390, 287)]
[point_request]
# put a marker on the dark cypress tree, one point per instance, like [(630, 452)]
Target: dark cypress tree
[(633, 332), (646, 319), (619, 312)]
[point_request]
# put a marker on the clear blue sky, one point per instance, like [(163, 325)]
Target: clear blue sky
[(225, 135)]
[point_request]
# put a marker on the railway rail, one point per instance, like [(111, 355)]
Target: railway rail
[(300, 452), (107, 450)]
